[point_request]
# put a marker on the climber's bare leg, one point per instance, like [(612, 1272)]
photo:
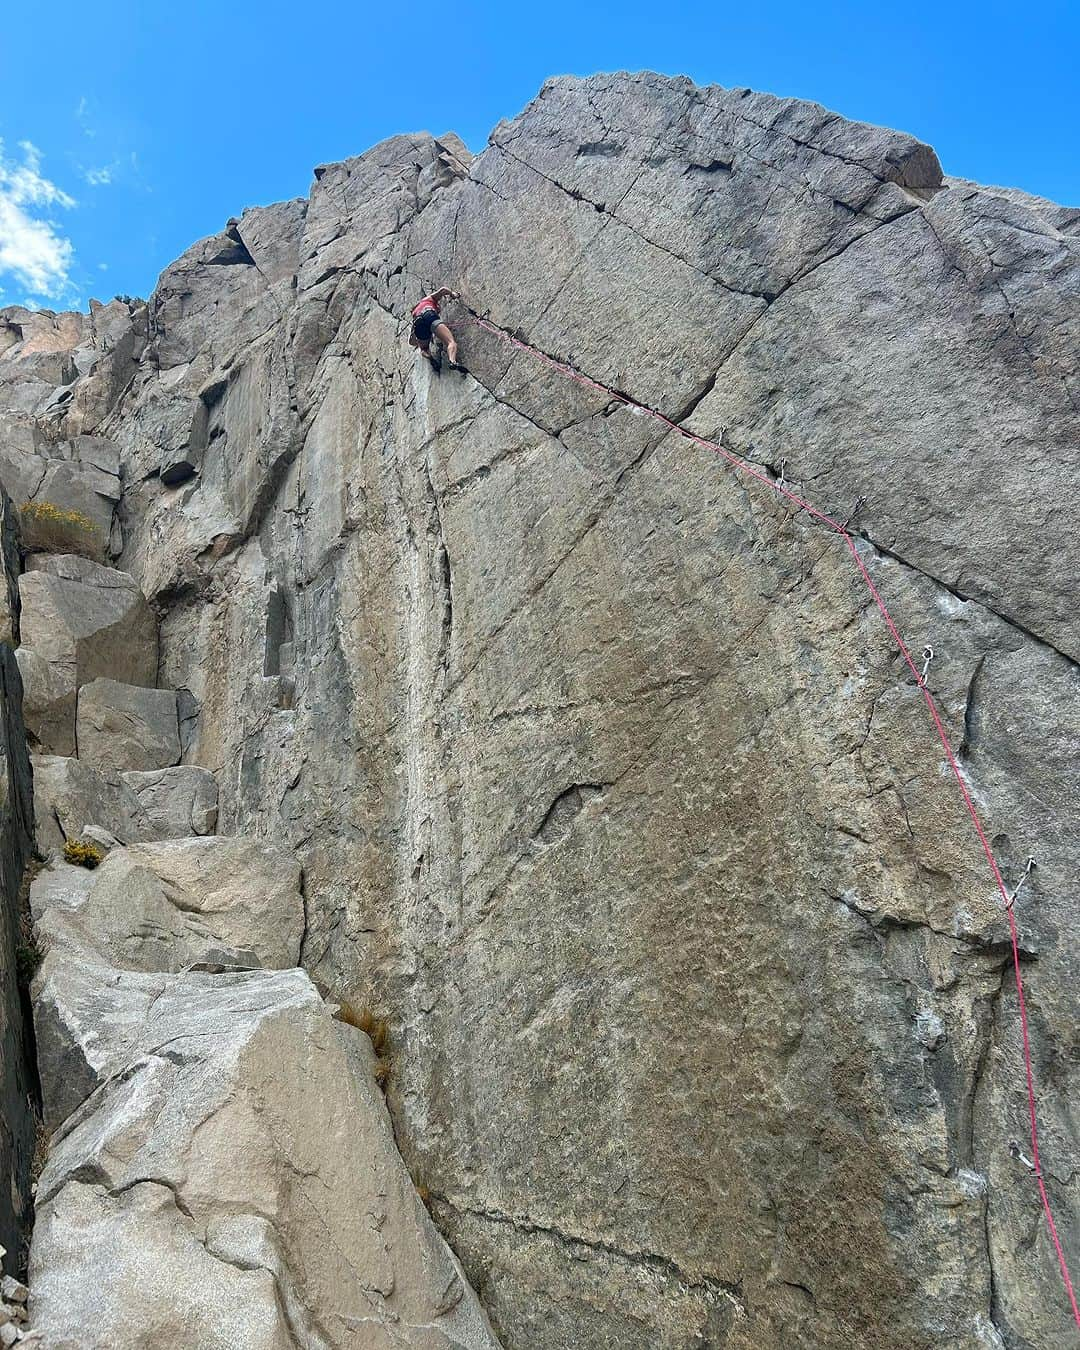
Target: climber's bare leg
[(447, 339)]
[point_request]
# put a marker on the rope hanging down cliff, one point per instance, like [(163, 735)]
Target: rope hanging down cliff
[(779, 487)]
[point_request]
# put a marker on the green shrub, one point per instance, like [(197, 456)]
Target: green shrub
[(28, 957)]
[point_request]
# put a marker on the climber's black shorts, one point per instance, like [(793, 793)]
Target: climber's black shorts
[(424, 323)]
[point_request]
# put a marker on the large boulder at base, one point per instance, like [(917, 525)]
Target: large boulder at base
[(175, 802), (79, 621), (215, 902), (126, 726), (235, 1185)]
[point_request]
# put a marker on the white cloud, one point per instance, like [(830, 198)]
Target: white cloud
[(99, 177), (33, 250), (82, 116)]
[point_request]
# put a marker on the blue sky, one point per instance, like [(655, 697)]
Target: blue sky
[(131, 130)]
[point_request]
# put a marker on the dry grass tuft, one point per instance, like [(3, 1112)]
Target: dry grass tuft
[(377, 1029), (48, 528)]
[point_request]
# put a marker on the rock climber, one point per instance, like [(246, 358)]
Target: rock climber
[(427, 320)]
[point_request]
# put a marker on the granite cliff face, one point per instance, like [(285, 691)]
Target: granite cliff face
[(609, 790)]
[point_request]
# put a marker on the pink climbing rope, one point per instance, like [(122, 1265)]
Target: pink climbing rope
[(778, 487)]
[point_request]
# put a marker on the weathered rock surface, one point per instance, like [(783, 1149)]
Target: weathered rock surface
[(223, 1170), (216, 901), (70, 795), (81, 488), (240, 1144), (609, 788), (174, 803), (124, 727), (79, 621)]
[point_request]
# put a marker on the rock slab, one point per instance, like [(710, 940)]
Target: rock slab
[(79, 622), (122, 727)]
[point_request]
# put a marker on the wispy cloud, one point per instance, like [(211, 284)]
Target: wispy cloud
[(99, 177), (33, 250), (82, 116)]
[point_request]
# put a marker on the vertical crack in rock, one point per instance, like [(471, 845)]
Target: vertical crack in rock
[(967, 744), (442, 572), (988, 1017)]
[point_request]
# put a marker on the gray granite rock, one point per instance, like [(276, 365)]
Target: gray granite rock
[(79, 621), (608, 786), (214, 902), (234, 1183), (102, 453), (69, 795), (175, 802), (123, 727), (62, 886), (79, 488), (21, 473)]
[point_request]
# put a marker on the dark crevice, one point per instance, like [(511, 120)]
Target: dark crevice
[(968, 741), (601, 149), (232, 253), (447, 625), (559, 818), (714, 166), (443, 573)]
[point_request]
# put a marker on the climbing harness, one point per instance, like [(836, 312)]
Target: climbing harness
[(780, 487)]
